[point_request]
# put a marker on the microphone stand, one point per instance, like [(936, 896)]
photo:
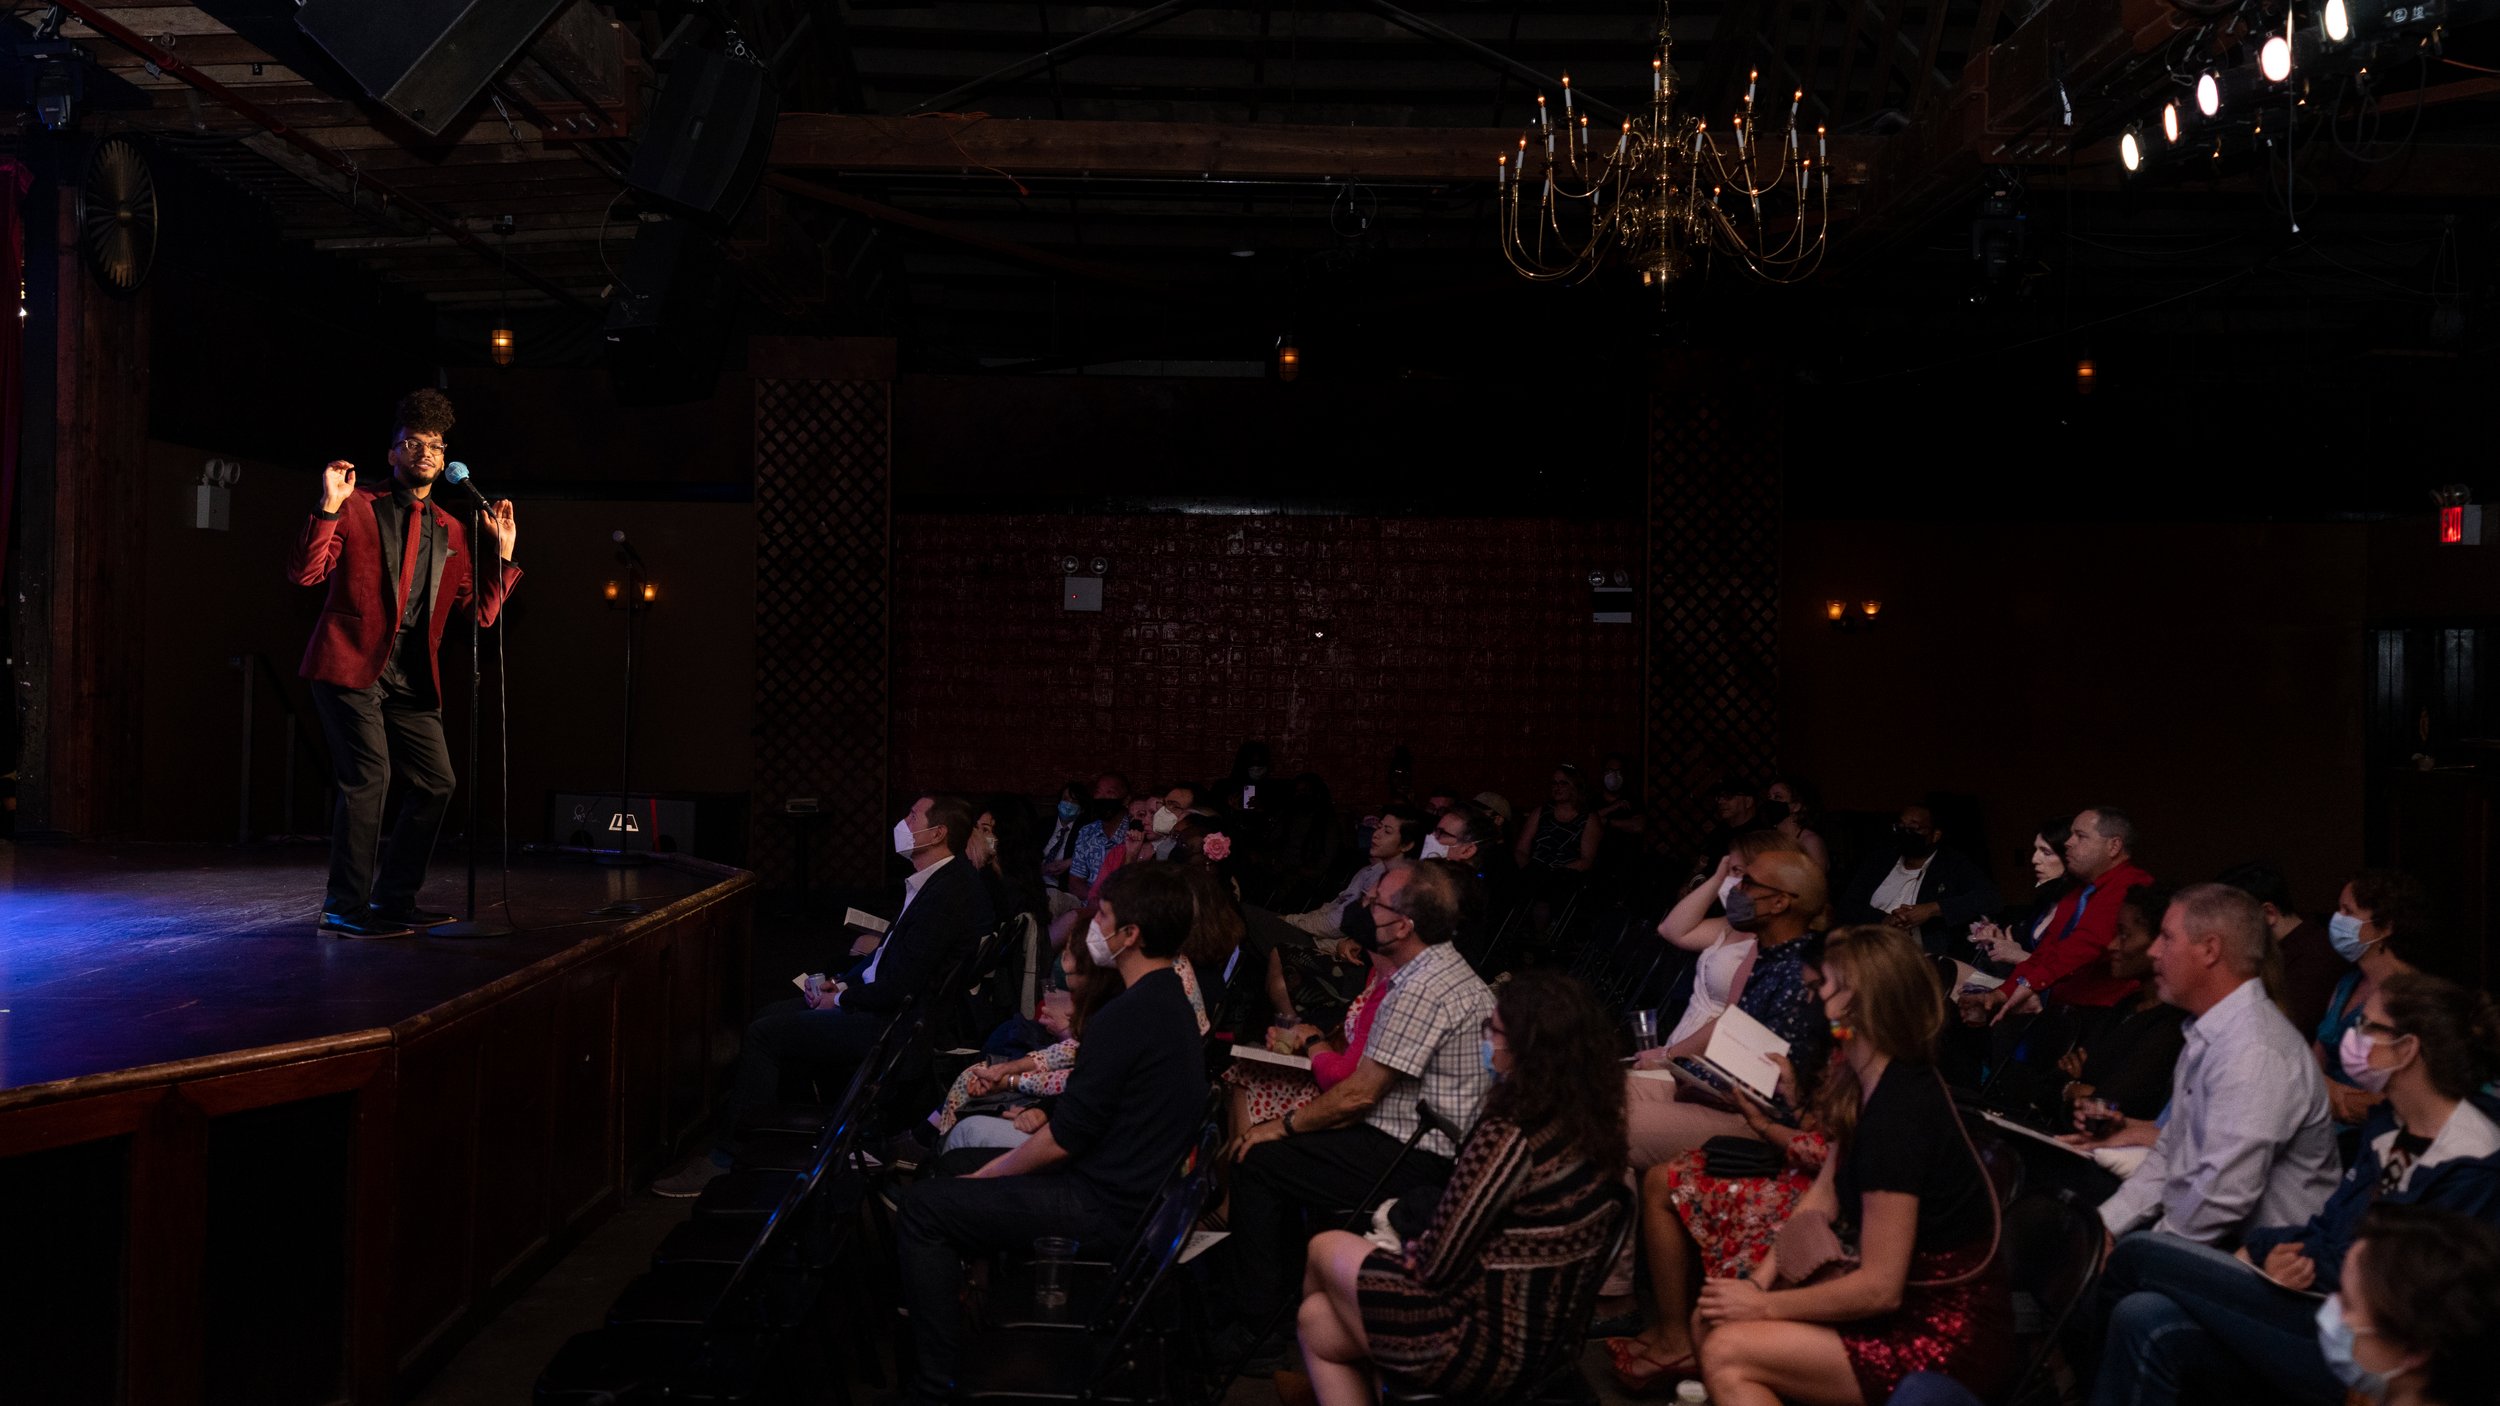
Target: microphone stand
[(470, 926), (627, 906)]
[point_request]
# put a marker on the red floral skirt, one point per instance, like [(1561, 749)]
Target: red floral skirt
[(1965, 1330)]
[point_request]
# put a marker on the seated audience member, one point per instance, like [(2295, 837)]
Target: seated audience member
[(1317, 959), (2012, 935), (1557, 845), (1323, 1155), (2071, 964), (1059, 846), (1004, 851), (1000, 1105), (1796, 810), (1263, 1093), (1921, 886), (1725, 956), (1476, 1302), (2412, 1323), (2383, 925), (829, 1031), (1130, 1110), (1720, 1222), (1166, 814), (2123, 1055), (1617, 804), (1738, 808), (1928, 1290), (1107, 821), (2311, 965), (1471, 839), (2185, 1308), (2247, 1141), (1776, 902)]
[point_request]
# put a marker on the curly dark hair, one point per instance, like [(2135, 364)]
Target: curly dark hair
[(424, 410), (2431, 1285), (1564, 1073)]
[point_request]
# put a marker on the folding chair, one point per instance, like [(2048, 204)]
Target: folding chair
[(2054, 1252)]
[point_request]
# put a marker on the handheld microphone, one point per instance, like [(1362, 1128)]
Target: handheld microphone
[(625, 550), (456, 474)]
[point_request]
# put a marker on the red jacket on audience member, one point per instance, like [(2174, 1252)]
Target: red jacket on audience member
[(360, 620), (2074, 968)]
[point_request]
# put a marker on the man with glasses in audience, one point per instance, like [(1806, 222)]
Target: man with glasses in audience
[(1328, 1153), (397, 567)]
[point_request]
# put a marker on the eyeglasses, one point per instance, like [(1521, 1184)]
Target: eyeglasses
[(2368, 1026), (1753, 883), (421, 447)]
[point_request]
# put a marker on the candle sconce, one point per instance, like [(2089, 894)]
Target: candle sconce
[(646, 595), (1847, 617)]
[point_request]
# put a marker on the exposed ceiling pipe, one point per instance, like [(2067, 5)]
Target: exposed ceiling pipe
[(95, 18)]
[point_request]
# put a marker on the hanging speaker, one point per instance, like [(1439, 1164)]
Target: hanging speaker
[(426, 60), (703, 148)]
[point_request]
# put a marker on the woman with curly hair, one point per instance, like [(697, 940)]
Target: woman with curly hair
[(1475, 1304)]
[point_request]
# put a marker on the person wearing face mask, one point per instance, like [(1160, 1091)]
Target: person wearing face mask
[(1470, 838), (830, 1029), (1423, 1044), (1725, 955), (1002, 852), (2384, 925), (1922, 886), (1317, 959), (2185, 1309), (2412, 1324), (2311, 965), (1478, 1301), (1059, 848), (1774, 903), (1178, 801), (1094, 839), (1132, 1105)]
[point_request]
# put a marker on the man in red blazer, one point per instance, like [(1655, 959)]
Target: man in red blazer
[(398, 566)]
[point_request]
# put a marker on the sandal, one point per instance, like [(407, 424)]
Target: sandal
[(1637, 1371)]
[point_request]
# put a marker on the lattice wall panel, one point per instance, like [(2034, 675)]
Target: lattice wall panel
[(1711, 679), (823, 574)]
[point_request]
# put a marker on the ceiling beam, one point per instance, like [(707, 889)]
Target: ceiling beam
[(1232, 151)]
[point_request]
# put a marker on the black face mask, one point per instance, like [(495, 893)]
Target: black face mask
[(1359, 924), (1742, 915), (1913, 844)]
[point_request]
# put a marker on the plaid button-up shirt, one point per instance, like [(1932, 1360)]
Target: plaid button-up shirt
[(1428, 1032)]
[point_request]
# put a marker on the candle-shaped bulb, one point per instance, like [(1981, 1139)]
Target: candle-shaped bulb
[(1566, 85)]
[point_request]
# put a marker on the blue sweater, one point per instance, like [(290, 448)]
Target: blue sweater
[(2460, 1171)]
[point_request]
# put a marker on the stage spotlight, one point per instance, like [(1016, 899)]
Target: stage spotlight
[(2208, 94), (2170, 121), (2130, 150), (2336, 20), (2275, 59)]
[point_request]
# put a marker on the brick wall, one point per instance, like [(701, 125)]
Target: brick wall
[(1332, 638)]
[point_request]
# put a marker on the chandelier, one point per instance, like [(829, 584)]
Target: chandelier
[(1665, 191)]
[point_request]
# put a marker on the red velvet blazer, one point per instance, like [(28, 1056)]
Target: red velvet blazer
[(352, 640)]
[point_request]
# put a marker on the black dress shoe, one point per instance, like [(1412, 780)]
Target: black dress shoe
[(361, 925), (411, 917)]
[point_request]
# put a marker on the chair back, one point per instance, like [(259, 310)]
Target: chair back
[(2054, 1252), (1572, 1345)]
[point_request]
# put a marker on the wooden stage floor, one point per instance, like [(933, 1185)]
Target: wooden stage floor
[(264, 1166), (114, 958)]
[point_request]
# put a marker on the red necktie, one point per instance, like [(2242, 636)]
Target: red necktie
[(408, 561)]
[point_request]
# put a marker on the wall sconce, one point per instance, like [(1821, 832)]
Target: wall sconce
[(1288, 359), (614, 594), (501, 344), (1845, 618)]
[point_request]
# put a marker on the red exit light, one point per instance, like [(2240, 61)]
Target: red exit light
[(2451, 525), (2461, 525)]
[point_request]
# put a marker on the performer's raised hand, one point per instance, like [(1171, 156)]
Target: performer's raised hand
[(499, 523), (338, 484)]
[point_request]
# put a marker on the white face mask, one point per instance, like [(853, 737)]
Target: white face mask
[(902, 836), (1434, 848), (1729, 885), (1165, 820), (1098, 944)]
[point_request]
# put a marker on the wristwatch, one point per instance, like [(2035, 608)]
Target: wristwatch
[(1288, 1121)]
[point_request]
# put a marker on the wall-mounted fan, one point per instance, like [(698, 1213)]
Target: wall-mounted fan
[(117, 216)]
